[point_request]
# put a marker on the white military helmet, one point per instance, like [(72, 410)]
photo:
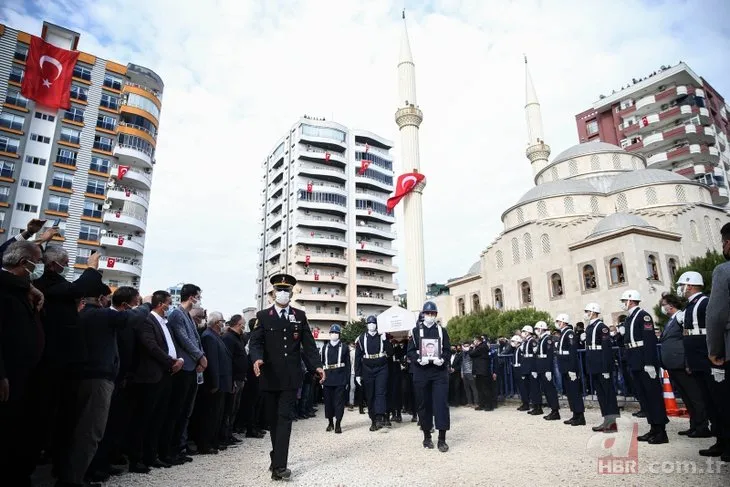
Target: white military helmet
[(515, 341), (631, 295), (541, 325), (692, 278), (563, 317), (528, 329), (593, 308)]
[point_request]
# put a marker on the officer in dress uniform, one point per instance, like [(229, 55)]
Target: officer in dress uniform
[(529, 369), (281, 338), (336, 360), (371, 370), (544, 367), (395, 383), (599, 364), (431, 375), (567, 350), (694, 339), (518, 374)]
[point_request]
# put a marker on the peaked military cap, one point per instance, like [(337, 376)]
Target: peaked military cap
[(283, 281)]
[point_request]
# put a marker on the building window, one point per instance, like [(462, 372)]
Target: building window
[(79, 93), (526, 293), (462, 307), (8, 144), (4, 194), (7, 169), (527, 239), (569, 206), (12, 122), (556, 285), (82, 73), (74, 114), (112, 82), (672, 265), (520, 216), (70, 135), (708, 231), (112, 102), (592, 127), (13, 97), (27, 183), (324, 132), (589, 277), (545, 243), (26, 207), (622, 203), (595, 208), (515, 251), (103, 143), (652, 269), (616, 271), (45, 116), (94, 186), (92, 209), (89, 233), (82, 257), (99, 164), (475, 304), (67, 157), (21, 52), (40, 138), (572, 167), (16, 74), (680, 193), (137, 143), (137, 101), (542, 209), (498, 300), (38, 161), (595, 163), (651, 198), (62, 180), (58, 203), (694, 231), (718, 226), (106, 122), (500, 259)]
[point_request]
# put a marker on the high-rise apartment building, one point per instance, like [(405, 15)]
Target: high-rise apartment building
[(88, 168), (325, 221), (674, 118)]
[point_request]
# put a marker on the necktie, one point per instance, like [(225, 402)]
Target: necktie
[(283, 314)]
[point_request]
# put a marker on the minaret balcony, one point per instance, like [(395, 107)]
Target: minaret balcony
[(410, 115)]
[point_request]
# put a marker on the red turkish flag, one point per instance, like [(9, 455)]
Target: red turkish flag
[(363, 166), (120, 240), (306, 259), (110, 261), (362, 245), (644, 121), (48, 73), (327, 156), (127, 192), (316, 277), (309, 187), (117, 213), (311, 234), (315, 333), (122, 171), (406, 183)]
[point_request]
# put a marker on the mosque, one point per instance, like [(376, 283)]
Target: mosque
[(597, 222)]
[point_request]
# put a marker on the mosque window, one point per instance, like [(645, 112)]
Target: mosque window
[(556, 285), (616, 271), (651, 198), (622, 203), (680, 193), (554, 173), (528, 246), (616, 159), (520, 216), (708, 231), (541, 209), (672, 265), (694, 231), (500, 259), (569, 206), (718, 226), (526, 292), (462, 308), (545, 242), (589, 277), (595, 162), (498, 300), (652, 269), (475, 304), (701, 194), (573, 167), (515, 251), (595, 208)]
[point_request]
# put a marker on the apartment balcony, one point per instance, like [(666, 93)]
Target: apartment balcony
[(666, 96), (321, 222), (370, 180), (321, 240), (323, 279), (329, 173), (322, 297), (125, 221), (368, 262), (122, 193), (373, 215), (320, 258), (376, 282), (276, 190), (274, 237), (323, 141), (118, 265), (696, 152), (324, 188), (322, 206), (274, 219), (130, 155), (365, 247), (317, 154), (134, 177), (650, 123), (121, 243), (329, 317), (375, 150), (375, 231), (385, 301)]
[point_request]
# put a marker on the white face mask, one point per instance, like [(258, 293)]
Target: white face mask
[(613, 333), (665, 311), (282, 298), (465, 348), (587, 316), (624, 305), (429, 320), (334, 338), (372, 327), (680, 290)]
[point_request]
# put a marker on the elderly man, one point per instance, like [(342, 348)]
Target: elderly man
[(233, 338), (21, 344)]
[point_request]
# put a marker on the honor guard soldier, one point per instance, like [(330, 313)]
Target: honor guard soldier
[(643, 361), (544, 367), (281, 338), (371, 370), (567, 350), (599, 363), (396, 364), (518, 374), (429, 350), (529, 349), (336, 360)]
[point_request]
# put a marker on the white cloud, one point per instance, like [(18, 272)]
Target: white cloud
[(238, 74)]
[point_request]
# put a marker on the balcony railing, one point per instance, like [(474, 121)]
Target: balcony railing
[(106, 125), (131, 191), (149, 90), (138, 127)]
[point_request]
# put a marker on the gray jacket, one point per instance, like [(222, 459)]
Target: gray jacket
[(672, 346), (466, 364), (186, 337), (717, 318)]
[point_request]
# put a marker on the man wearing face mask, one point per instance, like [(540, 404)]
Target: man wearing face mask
[(544, 367), (395, 381), (431, 377), (371, 370), (520, 377), (567, 350), (280, 340), (599, 364), (529, 370), (643, 362), (336, 360)]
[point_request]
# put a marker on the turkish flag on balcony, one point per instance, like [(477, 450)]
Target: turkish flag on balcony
[(406, 183), (120, 240), (110, 261), (48, 73), (122, 171), (117, 213), (327, 156), (316, 277), (644, 121), (127, 192), (364, 164), (310, 186), (306, 259), (362, 245)]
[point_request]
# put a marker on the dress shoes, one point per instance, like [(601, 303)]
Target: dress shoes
[(535, 412), (172, 460), (207, 451), (158, 463), (338, 428), (428, 443), (138, 467), (281, 474), (639, 414), (715, 450), (553, 416), (647, 436), (330, 427), (442, 446), (255, 434), (685, 432), (659, 438), (524, 407), (702, 433), (578, 420)]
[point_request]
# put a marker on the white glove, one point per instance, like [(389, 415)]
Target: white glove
[(423, 361), (573, 376), (622, 329), (534, 375), (651, 370), (718, 375), (359, 381), (606, 375), (679, 317), (582, 337), (438, 361), (549, 375)]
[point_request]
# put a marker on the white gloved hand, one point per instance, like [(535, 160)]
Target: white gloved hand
[(534, 375), (718, 375), (359, 381), (582, 337), (622, 329), (438, 361), (573, 376), (549, 376), (679, 317), (423, 361), (651, 370), (606, 375)]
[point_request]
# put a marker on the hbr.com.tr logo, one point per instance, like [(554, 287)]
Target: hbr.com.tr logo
[(616, 453)]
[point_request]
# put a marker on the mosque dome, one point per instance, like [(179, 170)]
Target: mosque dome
[(643, 177), (475, 268), (558, 188), (586, 148), (618, 221)]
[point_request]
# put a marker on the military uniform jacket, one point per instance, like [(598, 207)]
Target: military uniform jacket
[(372, 351), (640, 340), (545, 354), (336, 360), (529, 351), (567, 350), (519, 361), (599, 355), (398, 359), (414, 347), (282, 343), (695, 335)]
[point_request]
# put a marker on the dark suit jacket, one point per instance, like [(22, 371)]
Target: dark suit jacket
[(239, 357), (480, 362), (153, 362), (219, 373)]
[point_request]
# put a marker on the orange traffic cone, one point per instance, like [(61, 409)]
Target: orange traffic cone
[(670, 403)]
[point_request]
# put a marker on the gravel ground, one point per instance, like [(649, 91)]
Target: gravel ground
[(503, 447)]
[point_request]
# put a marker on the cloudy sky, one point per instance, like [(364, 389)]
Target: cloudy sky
[(239, 73)]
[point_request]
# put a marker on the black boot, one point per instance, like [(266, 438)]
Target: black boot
[(536, 411), (660, 436), (578, 420), (398, 418), (362, 409), (427, 441), (649, 435), (379, 421), (386, 421), (338, 427), (330, 426), (374, 426), (715, 450), (442, 446), (553, 416), (524, 407)]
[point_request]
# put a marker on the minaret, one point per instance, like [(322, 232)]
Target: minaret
[(537, 150), (409, 118)]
